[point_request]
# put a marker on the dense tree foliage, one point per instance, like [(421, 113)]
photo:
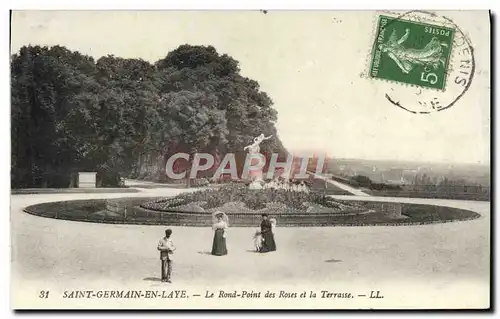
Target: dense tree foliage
[(71, 113)]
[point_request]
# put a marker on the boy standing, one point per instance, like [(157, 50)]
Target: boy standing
[(166, 248)]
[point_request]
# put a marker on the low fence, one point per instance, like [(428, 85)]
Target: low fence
[(127, 211), (99, 190), (458, 192), (484, 196)]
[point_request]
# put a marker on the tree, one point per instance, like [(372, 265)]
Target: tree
[(45, 82), (70, 113)]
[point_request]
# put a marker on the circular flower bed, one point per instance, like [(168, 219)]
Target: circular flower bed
[(237, 198), (244, 208)]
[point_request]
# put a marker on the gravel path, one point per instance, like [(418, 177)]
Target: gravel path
[(414, 266)]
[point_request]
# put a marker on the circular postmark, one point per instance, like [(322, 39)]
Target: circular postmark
[(425, 61)]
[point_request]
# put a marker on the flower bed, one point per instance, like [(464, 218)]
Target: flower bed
[(188, 210), (238, 198)]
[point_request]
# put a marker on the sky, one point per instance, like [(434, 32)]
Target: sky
[(313, 64)]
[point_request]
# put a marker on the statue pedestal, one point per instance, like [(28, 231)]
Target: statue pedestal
[(255, 185), (256, 175)]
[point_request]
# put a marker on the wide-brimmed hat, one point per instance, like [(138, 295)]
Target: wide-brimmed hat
[(219, 214)]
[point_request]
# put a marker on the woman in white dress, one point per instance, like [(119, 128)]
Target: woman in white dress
[(220, 226)]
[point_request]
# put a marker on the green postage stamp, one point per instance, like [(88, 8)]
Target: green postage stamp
[(411, 52)]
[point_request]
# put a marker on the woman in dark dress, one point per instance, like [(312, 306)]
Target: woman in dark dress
[(266, 229), (220, 226)]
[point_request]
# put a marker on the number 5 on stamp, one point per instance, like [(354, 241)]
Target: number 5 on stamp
[(411, 52)]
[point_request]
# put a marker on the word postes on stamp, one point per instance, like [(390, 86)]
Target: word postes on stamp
[(422, 62), (411, 52)]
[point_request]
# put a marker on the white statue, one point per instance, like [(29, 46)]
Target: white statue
[(255, 148)]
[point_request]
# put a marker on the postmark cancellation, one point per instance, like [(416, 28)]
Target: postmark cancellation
[(424, 61)]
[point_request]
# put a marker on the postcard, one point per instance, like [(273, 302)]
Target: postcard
[(262, 159)]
